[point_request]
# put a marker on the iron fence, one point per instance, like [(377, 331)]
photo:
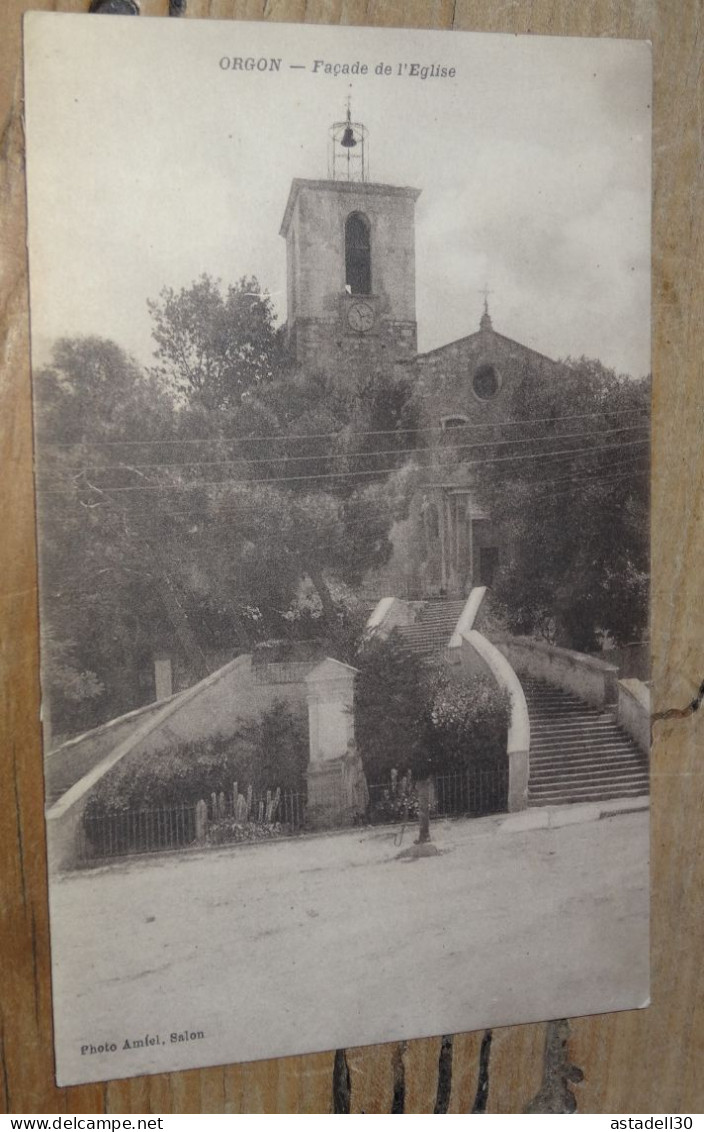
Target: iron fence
[(478, 791), (119, 833), (222, 820), (475, 792), (190, 825)]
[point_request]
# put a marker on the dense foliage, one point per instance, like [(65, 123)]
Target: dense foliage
[(409, 716), (263, 754), (205, 505), (215, 345), (226, 497), (572, 501)]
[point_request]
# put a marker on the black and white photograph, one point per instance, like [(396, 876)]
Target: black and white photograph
[(341, 390)]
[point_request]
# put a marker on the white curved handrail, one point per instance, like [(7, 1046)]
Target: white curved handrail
[(518, 739)]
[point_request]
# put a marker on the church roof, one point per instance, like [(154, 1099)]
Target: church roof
[(482, 336)]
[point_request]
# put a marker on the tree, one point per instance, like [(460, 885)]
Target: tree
[(286, 444), (468, 721), (188, 509), (279, 749), (391, 718), (157, 536), (213, 345), (413, 716), (109, 597), (391, 709), (572, 502)]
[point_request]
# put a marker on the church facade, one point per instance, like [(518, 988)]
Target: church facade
[(351, 299)]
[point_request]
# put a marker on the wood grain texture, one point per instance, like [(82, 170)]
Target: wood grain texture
[(636, 1061)]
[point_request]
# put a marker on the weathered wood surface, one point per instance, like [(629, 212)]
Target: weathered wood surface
[(642, 1061)]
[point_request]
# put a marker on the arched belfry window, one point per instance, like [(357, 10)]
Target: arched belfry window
[(358, 254)]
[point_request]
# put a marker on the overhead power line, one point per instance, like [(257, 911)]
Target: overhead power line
[(230, 511), (627, 462), (540, 503), (570, 483), (525, 421), (361, 455), (560, 454)]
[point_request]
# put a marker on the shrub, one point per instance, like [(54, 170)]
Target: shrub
[(390, 716), (468, 723), (395, 801), (413, 715), (223, 831), (278, 746), (269, 752)]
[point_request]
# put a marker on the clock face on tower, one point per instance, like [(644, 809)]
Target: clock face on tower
[(360, 317)]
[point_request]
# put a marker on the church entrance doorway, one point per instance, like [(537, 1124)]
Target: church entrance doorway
[(488, 564)]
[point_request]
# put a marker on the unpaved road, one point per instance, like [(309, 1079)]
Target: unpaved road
[(315, 943)]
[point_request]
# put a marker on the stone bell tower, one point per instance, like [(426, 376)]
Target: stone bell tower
[(350, 254)]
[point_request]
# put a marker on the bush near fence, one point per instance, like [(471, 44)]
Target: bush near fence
[(474, 792), (238, 818), (414, 714), (137, 799), (216, 821)]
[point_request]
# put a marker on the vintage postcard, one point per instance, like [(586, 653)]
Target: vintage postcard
[(340, 355)]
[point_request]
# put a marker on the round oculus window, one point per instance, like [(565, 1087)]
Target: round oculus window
[(485, 382)]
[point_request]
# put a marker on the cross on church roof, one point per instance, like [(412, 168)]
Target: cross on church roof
[(485, 292), (485, 320)]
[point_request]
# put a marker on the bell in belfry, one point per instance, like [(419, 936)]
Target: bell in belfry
[(347, 158)]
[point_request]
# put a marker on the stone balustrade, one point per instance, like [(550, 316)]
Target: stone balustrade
[(633, 711), (586, 677), (477, 655)]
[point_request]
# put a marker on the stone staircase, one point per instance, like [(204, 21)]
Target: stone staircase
[(577, 753), (432, 629)]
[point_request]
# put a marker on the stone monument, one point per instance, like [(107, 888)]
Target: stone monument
[(337, 788)]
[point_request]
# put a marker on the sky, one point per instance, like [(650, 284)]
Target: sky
[(151, 160)]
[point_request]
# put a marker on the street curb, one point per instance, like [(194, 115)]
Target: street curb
[(575, 813)]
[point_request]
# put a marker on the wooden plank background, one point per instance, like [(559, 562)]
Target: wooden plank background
[(640, 1061)]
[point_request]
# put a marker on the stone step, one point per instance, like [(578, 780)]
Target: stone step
[(568, 794), (577, 752), (571, 797), (586, 759), (595, 775), (565, 709), (554, 748), (553, 698), (546, 712), (566, 705), (569, 744), (572, 739), (579, 727), (608, 759), (615, 745), (420, 632), (635, 785), (566, 726), (423, 644), (546, 689), (444, 616), (552, 695), (578, 711), (587, 774), (441, 611)]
